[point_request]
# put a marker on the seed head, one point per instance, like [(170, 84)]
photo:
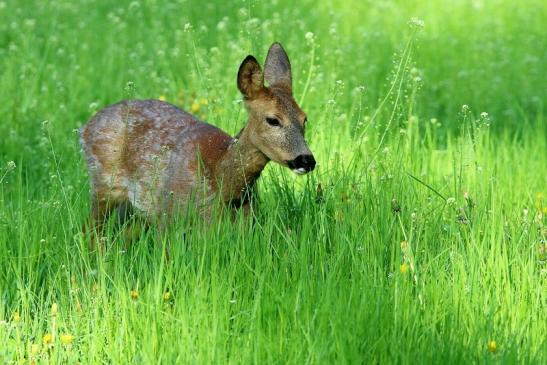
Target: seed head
[(416, 23), (129, 87), (395, 206)]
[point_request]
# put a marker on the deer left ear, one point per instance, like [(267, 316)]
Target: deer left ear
[(277, 68), (250, 79)]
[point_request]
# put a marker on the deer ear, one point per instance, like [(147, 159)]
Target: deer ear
[(277, 68), (250, 79)]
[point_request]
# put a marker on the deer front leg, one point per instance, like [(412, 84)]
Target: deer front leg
[(101, 209), (250, 202), (247, 203)]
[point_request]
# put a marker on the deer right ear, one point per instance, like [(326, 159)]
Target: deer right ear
[(250, 79)]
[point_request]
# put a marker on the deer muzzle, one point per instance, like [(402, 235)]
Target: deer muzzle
[(302, 164)]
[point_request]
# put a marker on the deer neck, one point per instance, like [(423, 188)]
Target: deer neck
[(239, 167)]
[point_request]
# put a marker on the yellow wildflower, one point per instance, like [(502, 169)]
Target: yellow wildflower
[(161, 98), (16, 317), (403, 268), (67, 339), (166, 296), (492, 347), (134, 294), (195, 107), (47, 339)]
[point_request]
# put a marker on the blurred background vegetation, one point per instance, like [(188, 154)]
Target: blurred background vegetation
[(63, 60)]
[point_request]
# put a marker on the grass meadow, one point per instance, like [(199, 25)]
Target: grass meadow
[(420, 237)]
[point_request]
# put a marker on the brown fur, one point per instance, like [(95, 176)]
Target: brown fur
[(155, 157)]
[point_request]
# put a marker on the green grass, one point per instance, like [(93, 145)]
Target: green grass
[(321, 275)]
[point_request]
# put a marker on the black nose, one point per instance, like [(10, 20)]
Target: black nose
[(306, 162)]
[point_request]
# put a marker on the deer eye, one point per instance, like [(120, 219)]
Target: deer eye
[(273, 122)]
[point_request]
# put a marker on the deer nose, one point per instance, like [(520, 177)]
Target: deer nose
[(302, 164)]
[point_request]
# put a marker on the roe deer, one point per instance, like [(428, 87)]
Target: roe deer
[(152, 156)]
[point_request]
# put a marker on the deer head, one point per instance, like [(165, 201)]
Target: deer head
[(276, 123)]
